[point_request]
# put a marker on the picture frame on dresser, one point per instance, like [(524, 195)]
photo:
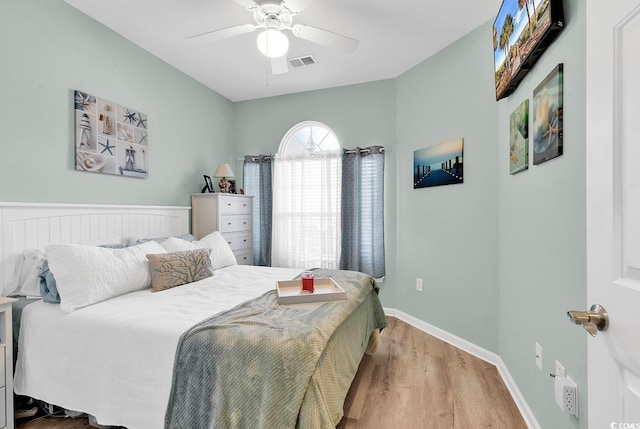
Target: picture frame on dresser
[(231, 215), (232, 186), (208, 184)]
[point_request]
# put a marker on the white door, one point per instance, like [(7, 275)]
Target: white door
[(613, 209)]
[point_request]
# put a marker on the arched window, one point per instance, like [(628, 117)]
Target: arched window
[(306, 198), (308, 137)]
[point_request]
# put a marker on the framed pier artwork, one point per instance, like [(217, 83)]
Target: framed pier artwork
[(440, 164)]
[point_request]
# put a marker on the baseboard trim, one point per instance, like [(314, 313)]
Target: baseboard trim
[(478, 352)]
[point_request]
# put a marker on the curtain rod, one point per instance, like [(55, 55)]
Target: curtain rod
[(348, 152), (353, 151), (254, 158)]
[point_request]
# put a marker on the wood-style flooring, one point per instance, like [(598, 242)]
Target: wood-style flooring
[(413, 381)]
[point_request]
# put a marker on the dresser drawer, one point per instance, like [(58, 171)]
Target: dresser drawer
[(238, 240), (235, 223), (244, 256), (235, 205)]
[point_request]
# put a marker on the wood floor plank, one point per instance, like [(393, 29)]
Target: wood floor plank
[(437, 405), (415, 381)]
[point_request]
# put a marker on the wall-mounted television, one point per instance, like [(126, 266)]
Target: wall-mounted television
[(523, 29)]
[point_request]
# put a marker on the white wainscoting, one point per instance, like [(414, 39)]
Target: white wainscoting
[(479, 352), (32, 225)]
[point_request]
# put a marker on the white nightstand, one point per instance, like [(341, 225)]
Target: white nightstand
[(230, 214), (6, 364)]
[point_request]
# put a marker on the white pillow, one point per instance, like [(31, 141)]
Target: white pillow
[(26, 278), (221, 254), (86, 275)]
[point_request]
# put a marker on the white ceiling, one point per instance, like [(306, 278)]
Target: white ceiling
[(394, 35)]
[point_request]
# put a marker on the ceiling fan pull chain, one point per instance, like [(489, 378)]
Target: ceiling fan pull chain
[(266, 71)]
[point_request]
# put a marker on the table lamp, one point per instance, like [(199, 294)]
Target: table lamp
[(224, 171)]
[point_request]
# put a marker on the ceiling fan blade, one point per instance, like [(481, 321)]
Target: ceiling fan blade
[(215, 35), (248, 4), (325, 38), (294, 7), (279, 65)]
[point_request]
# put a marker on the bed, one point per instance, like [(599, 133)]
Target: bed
[(127, 361)]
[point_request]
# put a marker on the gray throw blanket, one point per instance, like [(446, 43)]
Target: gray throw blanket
[(250, 367)]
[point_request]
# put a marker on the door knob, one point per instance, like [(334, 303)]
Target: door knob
[(594, 320)]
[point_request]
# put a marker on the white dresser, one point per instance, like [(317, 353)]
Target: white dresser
[(230, 214), (6, 364)]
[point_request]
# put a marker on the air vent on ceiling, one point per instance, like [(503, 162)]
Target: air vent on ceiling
[(306, 60)]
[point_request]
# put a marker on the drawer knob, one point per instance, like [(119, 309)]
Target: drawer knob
[(229, 242), (245, 240), (228, 204), (229, 223)]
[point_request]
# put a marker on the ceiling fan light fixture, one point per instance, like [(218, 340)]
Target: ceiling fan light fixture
[(273, 43)]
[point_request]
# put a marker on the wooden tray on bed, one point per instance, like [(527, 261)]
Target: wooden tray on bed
[(288, 291)]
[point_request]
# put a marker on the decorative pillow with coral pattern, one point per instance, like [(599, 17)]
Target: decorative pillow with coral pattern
[(169, 270)]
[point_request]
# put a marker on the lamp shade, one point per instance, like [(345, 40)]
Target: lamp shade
[(224, 170), (272, 43)]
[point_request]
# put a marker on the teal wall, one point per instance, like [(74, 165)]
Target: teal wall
[(508, 252), (48, 49), (360, 115), (543, 238), (448, 235)]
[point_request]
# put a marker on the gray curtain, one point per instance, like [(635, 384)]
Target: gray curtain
[(362, 211), (258, 181)]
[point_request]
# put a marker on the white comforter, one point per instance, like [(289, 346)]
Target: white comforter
[(114, 359)]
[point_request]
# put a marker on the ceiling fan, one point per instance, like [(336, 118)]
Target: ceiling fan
[(273, 17)]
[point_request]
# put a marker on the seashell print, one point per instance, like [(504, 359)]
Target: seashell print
[(93, 162), (89, 162), (125, 133)]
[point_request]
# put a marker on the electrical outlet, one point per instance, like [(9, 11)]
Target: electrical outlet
[(419, 284), (566, 393), (539, 356), (570, 397), (559, 370)]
